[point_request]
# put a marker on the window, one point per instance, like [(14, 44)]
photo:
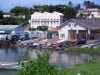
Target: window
[(75, 25), (69, 25), (62, 35)]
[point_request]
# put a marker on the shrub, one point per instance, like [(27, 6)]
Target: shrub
[(39, 66)]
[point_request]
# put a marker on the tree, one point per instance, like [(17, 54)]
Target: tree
[(14, 21), (1, 14), (39, 66), (69, 13), (70, 4), (88, 4), (42, 28), (21, 11), (78, 6), (9, 21)]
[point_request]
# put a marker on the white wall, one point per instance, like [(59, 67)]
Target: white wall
[(70, 26)]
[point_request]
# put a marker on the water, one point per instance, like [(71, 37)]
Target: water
[(62, 59)]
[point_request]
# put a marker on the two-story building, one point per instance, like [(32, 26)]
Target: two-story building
[(52, 20)]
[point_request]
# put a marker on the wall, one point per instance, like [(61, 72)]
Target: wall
[(69, 26)]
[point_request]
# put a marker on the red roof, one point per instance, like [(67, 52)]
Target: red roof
[(7, 13), (54, 29)]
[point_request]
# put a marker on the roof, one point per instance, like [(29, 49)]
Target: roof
[(7, 13), (8, 27), (91, 23), (46, 13), (89, 10), (54, 29)]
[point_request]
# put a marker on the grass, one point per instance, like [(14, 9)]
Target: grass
[(84, 50), (88, 68)]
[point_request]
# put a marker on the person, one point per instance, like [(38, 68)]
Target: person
[(6, 38)]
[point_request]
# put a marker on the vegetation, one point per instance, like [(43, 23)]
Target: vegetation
[(89, 4), (21, 11), (1, 15), (39, 66), (32, 29), (42, 28), (88, 68), (14, 21), (84, 50)]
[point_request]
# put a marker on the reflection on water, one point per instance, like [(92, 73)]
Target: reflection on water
[(7, 72), (62, 59)]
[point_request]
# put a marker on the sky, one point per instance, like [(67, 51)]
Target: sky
[(6, 5)]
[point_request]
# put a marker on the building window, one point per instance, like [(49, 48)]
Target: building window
[(69, 25), (62, 35), (75, 25)]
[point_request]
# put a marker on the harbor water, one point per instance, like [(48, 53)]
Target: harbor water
[(61, 58)]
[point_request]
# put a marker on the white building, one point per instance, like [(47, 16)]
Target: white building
[(8, 14), (80, 29), (6, 30), (52, 20), (90, 12)]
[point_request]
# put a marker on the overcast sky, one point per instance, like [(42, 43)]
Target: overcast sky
[(6, 5)]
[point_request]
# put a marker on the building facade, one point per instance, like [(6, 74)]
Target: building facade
[(89, 13), (52, 20), (6, 30), (80, 29)]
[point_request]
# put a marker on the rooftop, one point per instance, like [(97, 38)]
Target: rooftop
[(91, 23), (89, 10), (8, 27)]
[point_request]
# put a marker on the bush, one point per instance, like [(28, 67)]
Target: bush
[(39, 66), (32, 29), (85, 50)]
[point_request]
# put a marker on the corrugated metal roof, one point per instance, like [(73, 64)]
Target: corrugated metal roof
[(91, 23), (8, 27)]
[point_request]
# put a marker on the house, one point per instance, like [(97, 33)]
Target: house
[(8, 14), (89, 13), (52, 20), (80, 29), (6, 30)]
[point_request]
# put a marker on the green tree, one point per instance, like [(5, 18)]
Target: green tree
[(42, 28), (9, 21), (39, 66), (69, 13), (21, 11), (70, 4), (78, 6), (1, 14), (88, 4)]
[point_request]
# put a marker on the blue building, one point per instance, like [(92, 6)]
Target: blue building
[(6, 30)]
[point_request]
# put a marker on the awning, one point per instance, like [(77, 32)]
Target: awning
[(54, 29)]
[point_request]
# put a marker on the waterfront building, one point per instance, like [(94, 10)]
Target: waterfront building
[(89, 13), (80, 29), (6, 30), (52, 20)]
